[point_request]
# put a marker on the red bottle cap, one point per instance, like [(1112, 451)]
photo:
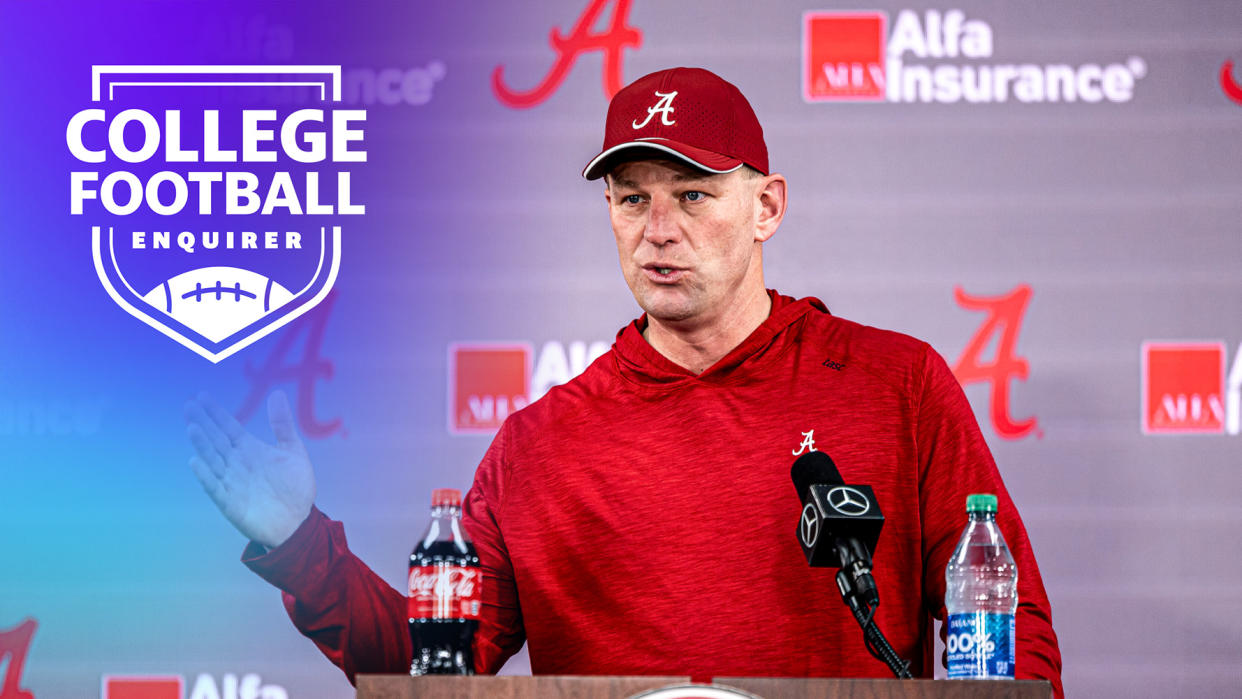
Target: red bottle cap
[(446, 497)]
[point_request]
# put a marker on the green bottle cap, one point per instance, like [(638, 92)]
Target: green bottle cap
[(981, 502)]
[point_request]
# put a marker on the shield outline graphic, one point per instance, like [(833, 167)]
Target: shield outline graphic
[(104, 81), (304, 300)]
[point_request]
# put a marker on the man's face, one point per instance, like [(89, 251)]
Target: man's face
[(687, 239)]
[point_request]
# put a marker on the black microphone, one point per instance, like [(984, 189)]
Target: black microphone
[(834, 515), (839, 528)]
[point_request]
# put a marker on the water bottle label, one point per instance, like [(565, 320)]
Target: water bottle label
[(444, 592), (980, 645)]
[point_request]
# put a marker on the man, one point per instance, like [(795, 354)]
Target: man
[(637, 520)]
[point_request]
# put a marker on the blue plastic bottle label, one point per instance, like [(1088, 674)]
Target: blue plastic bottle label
[(980, 645)]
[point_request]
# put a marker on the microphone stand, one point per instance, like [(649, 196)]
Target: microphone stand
[(859, 592)]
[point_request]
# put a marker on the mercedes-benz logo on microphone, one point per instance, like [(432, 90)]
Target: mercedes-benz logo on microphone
[(809, 528), (848, 501)]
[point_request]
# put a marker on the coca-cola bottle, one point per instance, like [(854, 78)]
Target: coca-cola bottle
[(445, 585)]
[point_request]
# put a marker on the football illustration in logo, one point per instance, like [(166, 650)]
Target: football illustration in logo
[(218, 301)]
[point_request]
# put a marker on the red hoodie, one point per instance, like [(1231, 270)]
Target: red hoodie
[(639, 520)]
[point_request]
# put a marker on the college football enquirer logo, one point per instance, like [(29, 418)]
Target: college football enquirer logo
[(216, 194)]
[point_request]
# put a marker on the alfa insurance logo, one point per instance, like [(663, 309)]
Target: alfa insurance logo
[(231, 686), (1186, 389), (488, 380), (215, 193), (944, 57)]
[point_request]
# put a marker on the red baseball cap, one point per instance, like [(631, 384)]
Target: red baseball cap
[(690, 114)]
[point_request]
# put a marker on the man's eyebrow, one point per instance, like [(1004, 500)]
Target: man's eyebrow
[(693, 177), (680, 178)]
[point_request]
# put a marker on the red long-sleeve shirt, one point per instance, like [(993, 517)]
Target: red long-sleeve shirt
[(640, 519)]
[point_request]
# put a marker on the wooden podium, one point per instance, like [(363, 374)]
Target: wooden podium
[(548, 687)]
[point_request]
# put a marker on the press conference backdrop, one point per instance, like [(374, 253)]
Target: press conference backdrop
[(1048, 193)]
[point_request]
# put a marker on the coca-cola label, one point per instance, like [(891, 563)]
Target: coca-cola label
[(445, 592)]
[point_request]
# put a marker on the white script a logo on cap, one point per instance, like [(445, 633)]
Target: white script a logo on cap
[(664, 107)]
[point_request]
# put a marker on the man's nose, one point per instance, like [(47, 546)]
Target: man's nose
[(663, 223)]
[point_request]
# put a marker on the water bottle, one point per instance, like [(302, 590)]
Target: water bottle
[(981, 595)]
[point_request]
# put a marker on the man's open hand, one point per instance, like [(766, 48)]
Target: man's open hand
[(264, 490)]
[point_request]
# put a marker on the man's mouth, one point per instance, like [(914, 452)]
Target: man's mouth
[(663, 273)]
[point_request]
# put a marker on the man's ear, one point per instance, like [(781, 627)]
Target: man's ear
[(770, 202)]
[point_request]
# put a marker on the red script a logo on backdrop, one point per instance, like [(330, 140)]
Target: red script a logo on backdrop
[(612, 43), (14, 644), (1231, 87), (279, 368), (1005, 314)]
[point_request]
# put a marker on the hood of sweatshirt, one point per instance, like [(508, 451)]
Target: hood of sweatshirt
[(639, 363)]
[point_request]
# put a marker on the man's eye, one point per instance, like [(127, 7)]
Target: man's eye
[(694, 196), (632, 199)]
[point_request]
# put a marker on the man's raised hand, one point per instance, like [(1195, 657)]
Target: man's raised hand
[(265, 490)]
